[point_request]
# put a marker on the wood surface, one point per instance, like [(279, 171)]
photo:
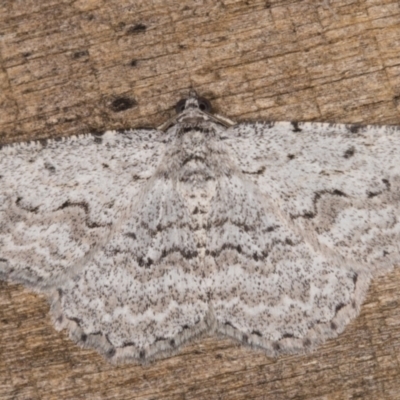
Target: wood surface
[(69, 67)]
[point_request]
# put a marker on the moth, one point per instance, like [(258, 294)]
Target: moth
[(142, 240)]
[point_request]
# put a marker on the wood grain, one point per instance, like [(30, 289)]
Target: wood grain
[(69, 67)]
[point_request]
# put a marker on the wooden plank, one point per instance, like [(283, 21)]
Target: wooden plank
[(70, 67)]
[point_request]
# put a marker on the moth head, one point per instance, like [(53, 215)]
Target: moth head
[(194, 111), (193, 102)]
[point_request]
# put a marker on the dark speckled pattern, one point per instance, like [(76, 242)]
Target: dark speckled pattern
[(144, 239)]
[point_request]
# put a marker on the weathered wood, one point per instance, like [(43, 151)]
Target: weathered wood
[(69, 67)]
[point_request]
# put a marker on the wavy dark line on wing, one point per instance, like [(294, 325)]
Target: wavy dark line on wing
[(257, 256), (317, 196), (85, 208)]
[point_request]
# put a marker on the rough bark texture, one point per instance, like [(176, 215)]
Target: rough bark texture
[(70, 67)]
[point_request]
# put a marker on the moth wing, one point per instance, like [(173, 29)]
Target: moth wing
[(269, 287), (295, 236), (338, 184), (142, 295), (60, 200)]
